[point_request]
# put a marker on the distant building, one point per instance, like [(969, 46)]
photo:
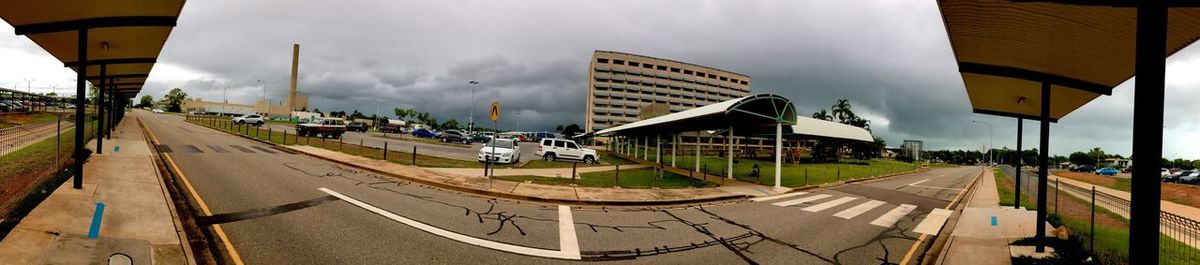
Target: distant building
[(260, 107), (621, 84), (911, 148)]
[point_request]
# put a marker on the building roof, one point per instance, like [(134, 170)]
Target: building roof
[(127, 35), (811, 127), (752, 112), (674, 61), (1007, 49)]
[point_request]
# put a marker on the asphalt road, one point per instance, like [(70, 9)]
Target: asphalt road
[(455, 151), (368, 226)]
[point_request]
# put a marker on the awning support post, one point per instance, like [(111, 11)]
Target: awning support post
[(729, 155), (657, 149), (778, 154), (1043, 170), (80, 97), (1150, 67), (100, 111), (674, 146), (1020, 157), (697, 151)]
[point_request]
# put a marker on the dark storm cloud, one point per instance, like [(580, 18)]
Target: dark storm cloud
[(891, 59)]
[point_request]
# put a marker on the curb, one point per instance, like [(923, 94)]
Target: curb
[(501, 194)]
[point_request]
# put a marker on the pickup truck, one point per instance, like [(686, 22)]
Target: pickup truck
[(322, 127)]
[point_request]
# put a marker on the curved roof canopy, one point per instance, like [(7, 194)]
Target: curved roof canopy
[(749, 113), (125, 35), (816, 128), (1006, 50)]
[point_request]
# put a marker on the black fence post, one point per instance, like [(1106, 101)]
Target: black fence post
[(360, 146), (805, 176), (573, 166), (1092, 236), (414, 156), (385, 150), (839, 174), (617, 176), (270, 132), (340, 144), (1056, 196)]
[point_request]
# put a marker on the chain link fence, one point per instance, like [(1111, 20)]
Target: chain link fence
[(35, 160)]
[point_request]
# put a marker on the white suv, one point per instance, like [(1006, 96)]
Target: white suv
[(552, 149), (249, 119)]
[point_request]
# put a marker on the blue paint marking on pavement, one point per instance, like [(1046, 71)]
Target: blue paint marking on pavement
[(994, 222), (117, 148), (763, 191), (94, 231)]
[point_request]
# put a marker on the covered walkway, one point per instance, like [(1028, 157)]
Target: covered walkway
[(761, 115)]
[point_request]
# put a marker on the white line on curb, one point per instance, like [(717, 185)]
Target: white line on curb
[(776, 197), (565, 253)]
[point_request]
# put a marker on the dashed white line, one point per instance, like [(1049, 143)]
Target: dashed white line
[(890, 218), (933, 222), (828, 204), (917, 183), (564, 253), (801, 200), (776, 197), (859, 209)]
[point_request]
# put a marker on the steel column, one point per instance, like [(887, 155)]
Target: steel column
[(99, 111), (674, 145), (778, 154), (1150, 69), (80, 99), (1043, 170), (697, 151), (729, 155), (1020, 157)]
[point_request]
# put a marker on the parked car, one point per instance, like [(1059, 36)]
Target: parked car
[(1193, 177), (255, 119), (480, 138), (356, 126), (500, 151), (423, 133), (157, 110), (323, 127), (1174, 177), (1108, 171), (454, 136), (552, 149), (1084, 168), (392, 126)]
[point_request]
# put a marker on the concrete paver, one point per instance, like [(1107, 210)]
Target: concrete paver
[(137, 219), (985, 229)]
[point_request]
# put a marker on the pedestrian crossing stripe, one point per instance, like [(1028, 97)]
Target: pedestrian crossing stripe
[(891, 217), (776, 197), (858, 209), (802, 200), (828, 204)]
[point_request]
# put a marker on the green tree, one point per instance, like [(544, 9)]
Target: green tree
[(450, 124), (1081, 158), (571, 130), (841, 111), (146, 102), (822, 115), (174, 99)]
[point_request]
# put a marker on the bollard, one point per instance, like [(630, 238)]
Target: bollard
[(414, 156), (322, 141), (360, 146), (340, 144), (805, 176), (270, 132), (839, 174), (617, 176), (573, 165), (1093, 234), (385, 150)]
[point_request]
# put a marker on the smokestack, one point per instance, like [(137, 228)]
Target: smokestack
[(295, 72)]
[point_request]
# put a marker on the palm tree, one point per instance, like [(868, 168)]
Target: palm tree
[(841, 110), (822, 115)]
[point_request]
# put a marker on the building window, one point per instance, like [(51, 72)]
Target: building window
[(700, 74), (674, 70), (618, 61), (712, 76), (661, 68), (688, 72), (745, 83), (648, 66), (634, 64), (724, 79), (601, 60)]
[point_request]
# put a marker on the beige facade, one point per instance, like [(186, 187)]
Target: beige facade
[(260, 107), (620, 84)]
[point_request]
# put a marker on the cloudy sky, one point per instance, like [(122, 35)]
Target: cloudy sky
[(891, 59)]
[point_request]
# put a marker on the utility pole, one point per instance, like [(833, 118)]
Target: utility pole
[(471, 119), (29, 85), (991, 140)]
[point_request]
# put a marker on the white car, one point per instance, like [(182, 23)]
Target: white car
[(249, 119), (500, 151), (552, 149), (155, 111)]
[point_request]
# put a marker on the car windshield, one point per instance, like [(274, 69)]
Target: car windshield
[(501, 144)]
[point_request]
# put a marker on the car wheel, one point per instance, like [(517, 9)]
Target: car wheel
[(465, 142), (589, 160), (259, 124), (548, 157)]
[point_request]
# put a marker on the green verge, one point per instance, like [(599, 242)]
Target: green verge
[(641, 178), (606, 159), (793, 175), (1007, 194), (40, 155)]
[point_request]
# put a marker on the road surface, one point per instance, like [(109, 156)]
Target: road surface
[(455, 151), (355, 217)]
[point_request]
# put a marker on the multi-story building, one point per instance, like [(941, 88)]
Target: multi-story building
[(620, 84)]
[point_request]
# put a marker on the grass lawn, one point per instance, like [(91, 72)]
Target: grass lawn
[(404, 158), (606, 159), (634, 178), (794, 175), (1006, 189), (13, 120)]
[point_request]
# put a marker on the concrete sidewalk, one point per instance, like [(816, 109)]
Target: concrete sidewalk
[(977, 240), (473, 181), (138, 219)]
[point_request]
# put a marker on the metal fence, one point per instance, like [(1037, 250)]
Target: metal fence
[(34, 161), (1183, 233), (14, 137)]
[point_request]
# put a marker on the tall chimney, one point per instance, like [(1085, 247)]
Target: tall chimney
[(295, 70)]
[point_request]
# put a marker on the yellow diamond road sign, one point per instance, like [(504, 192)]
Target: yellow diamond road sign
[(495, 111)]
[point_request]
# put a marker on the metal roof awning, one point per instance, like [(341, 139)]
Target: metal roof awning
[(750, 112), (125, 36), (1006, 51), (809, 127)]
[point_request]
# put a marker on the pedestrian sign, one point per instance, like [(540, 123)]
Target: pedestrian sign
[(495, 111)]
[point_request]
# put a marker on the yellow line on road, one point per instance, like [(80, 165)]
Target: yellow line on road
[(233, 254), (916, 245)]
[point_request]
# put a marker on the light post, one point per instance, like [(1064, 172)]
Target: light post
[(471, 119), (991, 139), (29, 85)]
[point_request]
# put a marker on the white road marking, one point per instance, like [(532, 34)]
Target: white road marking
[(918, 182), (801, 200), (776, 197), (567, 242), (859, 209), (829, 204), (558, 254), (890, 218), (932, 187), (933, 222)]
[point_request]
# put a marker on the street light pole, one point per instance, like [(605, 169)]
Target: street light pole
[(991, 141), (29, 85), (471, 119)]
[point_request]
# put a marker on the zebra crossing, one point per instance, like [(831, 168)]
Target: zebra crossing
[(201, 149), (854, 207)]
